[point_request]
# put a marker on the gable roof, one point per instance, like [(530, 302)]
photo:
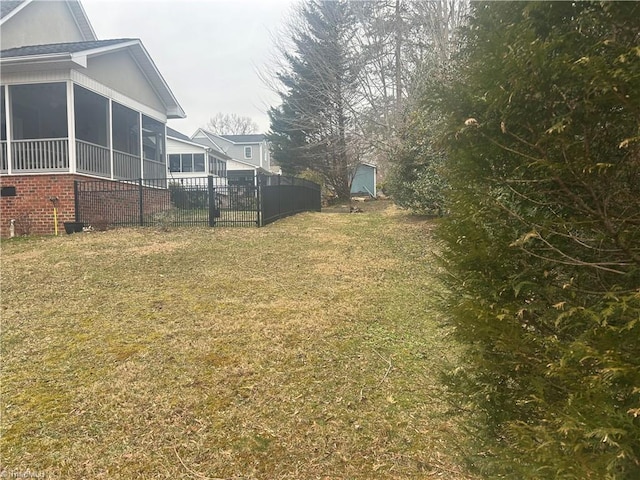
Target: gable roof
[(252, 138), (9, 8), (176, 134), (210, 137), (76, 54)]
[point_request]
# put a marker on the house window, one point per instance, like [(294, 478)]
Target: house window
[(186, 162), (198, 162), (248, 152), (39, 110), (174, 162)]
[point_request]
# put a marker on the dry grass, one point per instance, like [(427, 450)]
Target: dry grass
[(302, 350)]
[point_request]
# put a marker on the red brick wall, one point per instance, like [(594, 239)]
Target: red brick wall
[(104, 203), (32, 208)]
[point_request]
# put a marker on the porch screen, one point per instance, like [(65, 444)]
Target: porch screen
[(39, 111), (3, 119), (126, 129), (92, 116), (153, 139)]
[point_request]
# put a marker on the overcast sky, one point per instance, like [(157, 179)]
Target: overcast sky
[(208, 51)]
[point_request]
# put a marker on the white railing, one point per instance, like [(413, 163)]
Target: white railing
[(49, 154), (125, 166), (4, 159), (153, 169), (93, 159)]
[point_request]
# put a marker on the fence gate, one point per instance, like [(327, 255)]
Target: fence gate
[(208, 201)]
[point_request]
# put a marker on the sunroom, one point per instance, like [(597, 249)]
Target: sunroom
[(91, 108)]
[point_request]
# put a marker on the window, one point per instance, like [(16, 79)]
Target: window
[(174, 162), (186, 162), (198, 162), (248, 152)]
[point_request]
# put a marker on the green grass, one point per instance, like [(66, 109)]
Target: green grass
[(305, 349)]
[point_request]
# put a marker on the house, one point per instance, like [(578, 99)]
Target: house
[(72, 108), (188, 159), (248, 154), (364, 180)]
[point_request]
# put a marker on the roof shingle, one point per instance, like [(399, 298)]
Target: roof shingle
[(53, 48), (8, 6)]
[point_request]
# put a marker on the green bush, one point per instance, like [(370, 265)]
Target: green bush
[(542, 245)]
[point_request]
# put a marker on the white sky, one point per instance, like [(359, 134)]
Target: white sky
[(208, 51)]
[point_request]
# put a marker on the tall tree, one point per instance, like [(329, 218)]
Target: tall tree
[(231, 124), (311, 128), (542, 246)]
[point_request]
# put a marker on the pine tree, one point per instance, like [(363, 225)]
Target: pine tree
[(310, 130)]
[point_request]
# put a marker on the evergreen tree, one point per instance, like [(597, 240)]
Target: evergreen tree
[(310, 130), (542, 247)]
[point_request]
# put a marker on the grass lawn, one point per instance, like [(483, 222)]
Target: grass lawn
[(306, 349)]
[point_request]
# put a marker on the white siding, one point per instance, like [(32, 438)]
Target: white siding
[(40, 23), (175, 146)]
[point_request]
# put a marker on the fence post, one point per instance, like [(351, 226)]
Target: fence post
[(141, 202), (212, 201), (76, 199), (259, 206), (279, 195)]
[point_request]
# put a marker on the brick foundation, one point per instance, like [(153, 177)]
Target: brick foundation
[(32, 208)]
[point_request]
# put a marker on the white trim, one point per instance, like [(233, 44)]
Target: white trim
[(71, 127), (244, 151), (15, 11), (8, 111), (110, 142), (87, 30), (141, 151)]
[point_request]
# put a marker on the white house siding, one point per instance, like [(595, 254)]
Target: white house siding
[(174, 146), (231, 165), (40, 23), (121, 72)]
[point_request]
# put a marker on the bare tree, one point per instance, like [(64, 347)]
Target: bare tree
[(231, 124)]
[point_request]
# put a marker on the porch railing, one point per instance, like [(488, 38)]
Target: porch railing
[(93, 159), (4, 159), (153, 169), (125, 165), (49, 154)]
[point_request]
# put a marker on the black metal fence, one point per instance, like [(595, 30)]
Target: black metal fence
[(208, 201), (282, 196)]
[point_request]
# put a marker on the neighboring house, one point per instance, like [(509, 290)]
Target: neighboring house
[(187, 159), (72, 108), (364, 180), (249, 154)]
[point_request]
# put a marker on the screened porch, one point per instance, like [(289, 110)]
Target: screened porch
[(63, 127)]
